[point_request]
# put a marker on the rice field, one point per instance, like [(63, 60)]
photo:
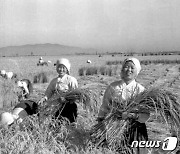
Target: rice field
[(27, 65), (74, 140)]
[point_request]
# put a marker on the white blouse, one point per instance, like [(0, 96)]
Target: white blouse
[(64, 84), (120, 91)]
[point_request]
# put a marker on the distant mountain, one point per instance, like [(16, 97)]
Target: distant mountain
[(42, 49)]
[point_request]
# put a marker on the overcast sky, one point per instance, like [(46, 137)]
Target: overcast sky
[(109, 24)]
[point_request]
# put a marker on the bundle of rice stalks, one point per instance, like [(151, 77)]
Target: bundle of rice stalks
[(158, 100), (40, 78), (112, 130), (59, 100), (111, 133), (78, 95)]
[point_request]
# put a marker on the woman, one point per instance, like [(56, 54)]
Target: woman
[(60, 85), (124, 90), (41, 60), (24, 108)]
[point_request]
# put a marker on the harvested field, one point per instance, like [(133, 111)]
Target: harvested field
[(166, 76)]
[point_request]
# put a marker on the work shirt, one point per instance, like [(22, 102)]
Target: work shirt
[(29, 106), (120, 92), (61, 85)]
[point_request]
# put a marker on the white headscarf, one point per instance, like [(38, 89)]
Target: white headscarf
[(7, 118), (135, 61), (64, 62)]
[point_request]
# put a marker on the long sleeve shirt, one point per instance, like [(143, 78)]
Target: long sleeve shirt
[(61, 85), (120, 91)]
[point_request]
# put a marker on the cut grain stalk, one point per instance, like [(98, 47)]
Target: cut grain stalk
[(58, 101)]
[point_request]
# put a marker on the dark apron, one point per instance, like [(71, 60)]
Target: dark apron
[(136, 132), (67, 110)]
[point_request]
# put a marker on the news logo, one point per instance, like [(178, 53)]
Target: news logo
[(169, 143)]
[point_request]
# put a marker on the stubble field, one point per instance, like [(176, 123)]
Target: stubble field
[(166, 76)]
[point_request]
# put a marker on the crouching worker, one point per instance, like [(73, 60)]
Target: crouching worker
[(60, 85), (24, 108), (20, 111)]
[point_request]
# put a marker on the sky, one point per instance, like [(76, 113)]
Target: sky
[(112, 25)]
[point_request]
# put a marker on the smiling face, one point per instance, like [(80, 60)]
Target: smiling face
[(129, 71), (61, 70)]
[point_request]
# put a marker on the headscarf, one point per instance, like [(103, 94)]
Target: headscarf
[(3, 72), (135, 61), (64, 62), (7, 118)]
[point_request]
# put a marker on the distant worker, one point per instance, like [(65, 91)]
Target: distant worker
[(41, 60), (9, 75), (89, 61), (23, 109), (3, 73)]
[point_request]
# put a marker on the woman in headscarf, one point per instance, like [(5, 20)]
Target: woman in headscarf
[(124, 90), (60, 85)]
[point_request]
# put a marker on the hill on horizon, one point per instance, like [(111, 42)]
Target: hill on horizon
[(42, 49)]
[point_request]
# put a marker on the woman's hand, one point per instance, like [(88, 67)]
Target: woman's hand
[(126, 115)]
